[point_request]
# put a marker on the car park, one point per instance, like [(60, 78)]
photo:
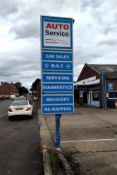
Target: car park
[(20, 108)]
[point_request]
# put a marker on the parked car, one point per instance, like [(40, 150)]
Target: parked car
[(20, 108), (20, 98), (12, 97)]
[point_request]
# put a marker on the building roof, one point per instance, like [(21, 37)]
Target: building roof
[(104, 68), (84, 83), (7, 88), (111, 75)]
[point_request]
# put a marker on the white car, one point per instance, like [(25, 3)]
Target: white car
[(22, 107), (20, 98), (12, 97)]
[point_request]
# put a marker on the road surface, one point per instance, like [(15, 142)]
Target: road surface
[(20, 152)]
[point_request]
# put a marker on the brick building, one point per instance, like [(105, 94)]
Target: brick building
[(97, 86), (7, 89)]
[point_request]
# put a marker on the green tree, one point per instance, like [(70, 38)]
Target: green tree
[(35, 85), (18, 85), (21, 89)]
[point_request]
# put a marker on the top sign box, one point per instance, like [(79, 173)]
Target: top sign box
[(56, 32)]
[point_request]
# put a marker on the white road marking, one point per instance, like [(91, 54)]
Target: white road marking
[(96, 140)]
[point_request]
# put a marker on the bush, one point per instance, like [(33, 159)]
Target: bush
[(55, 162)]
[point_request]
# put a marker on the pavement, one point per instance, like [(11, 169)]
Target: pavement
[(89, 136)]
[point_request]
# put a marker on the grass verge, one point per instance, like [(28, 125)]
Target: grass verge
[(55, 162)]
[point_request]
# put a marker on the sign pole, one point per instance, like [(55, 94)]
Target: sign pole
[(57, 120)]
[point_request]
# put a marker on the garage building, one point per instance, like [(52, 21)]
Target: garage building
[(97, 86)]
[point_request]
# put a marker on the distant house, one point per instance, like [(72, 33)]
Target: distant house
[(97, 86), (7, 89)]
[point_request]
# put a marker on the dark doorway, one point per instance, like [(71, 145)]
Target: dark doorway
[(85, 97)]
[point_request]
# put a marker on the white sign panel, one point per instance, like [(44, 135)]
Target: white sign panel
[(53, 30), (57, 32)]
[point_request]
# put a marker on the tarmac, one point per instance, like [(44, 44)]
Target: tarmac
[(88, 137)]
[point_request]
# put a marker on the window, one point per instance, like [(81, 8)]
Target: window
[(96, 96), (112, 94), (22, 102)]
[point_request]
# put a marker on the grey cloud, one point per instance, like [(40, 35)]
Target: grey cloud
[(7, 72), (90, 3), (94, 26), (107, 29), (15, 72), (110, 42), (19, 67), (83, 58), (87, 52), (9, 7), (25, 29), (115, 17), (51, 6)]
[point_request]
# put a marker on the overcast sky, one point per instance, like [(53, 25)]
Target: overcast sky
[(95, 35)]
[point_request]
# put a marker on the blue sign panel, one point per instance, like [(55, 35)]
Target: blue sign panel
[(55, 78), (57, 88), (49, 99), (56, 56), (56, 66), (57, 109)]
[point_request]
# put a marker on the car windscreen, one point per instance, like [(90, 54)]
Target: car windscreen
[(20, 98), (23, 102)]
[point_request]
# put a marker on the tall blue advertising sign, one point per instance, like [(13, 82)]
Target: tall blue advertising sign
[(57, 93)]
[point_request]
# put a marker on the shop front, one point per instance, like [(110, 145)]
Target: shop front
[(87, 95), (97, 86)]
